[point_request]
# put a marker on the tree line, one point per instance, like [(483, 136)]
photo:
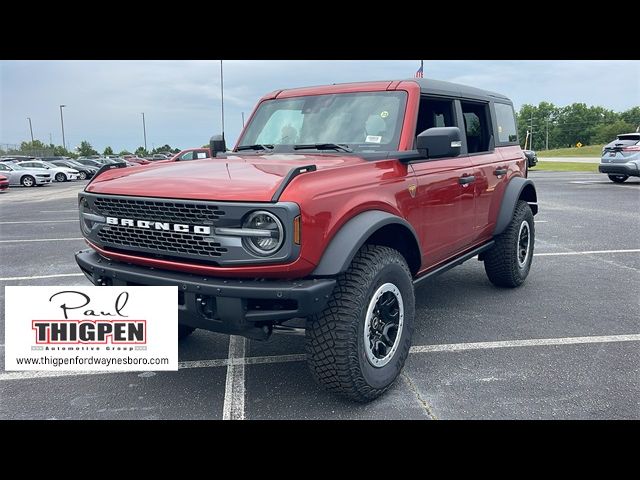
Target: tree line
[(573, 124), (552, 126), (39, 148)]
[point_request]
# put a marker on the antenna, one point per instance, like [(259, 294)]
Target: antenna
[(222, 97)]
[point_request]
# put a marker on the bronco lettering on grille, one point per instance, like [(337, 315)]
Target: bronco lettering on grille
[(175, 227)]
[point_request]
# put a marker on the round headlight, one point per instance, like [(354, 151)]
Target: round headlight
[(269, 234)]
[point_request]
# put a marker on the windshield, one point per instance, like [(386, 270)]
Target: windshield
[(74, 163), (364, 122), (50, 165), (17, 167)]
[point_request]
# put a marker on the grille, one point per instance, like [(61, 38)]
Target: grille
[(159, 211), (160, 241)]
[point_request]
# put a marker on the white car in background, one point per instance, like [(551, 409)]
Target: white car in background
[(60, 174)]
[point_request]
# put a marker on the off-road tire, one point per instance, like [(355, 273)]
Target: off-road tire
[(618, 178), (184, 331), (501, 261), (335, 340)]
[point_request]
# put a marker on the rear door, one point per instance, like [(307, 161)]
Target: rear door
[(445, 191), (489, 168)]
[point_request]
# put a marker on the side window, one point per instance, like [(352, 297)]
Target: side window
[(477, 126), (187, 156), (435, 112), (507, 132), (3, 168), (200, 155)]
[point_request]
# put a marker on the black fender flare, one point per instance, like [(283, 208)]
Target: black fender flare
[(512, 194), (352, 235)]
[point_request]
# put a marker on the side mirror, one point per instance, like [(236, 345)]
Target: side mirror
[(439, 142), (217, 145)]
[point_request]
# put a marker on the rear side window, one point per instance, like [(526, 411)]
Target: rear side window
[(507, 132), (477, 126), (200, 155)]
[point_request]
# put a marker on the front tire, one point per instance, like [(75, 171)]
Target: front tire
[(82, 175), (508, 262), (358, 345), (28, 181), (618, 178), (60, 177)]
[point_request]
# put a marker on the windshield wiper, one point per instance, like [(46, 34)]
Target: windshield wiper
[(257, 146), (323, 146)]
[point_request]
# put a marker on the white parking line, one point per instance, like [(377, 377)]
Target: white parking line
[(41, 221), (239, 347), (74, 210), (233, 408), (591, 252), (42, 240), (35, 277)]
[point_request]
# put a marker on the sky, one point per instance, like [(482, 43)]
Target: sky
[(181, 99)]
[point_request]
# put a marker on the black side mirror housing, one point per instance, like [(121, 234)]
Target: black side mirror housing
[(439, 142), (217, 145)]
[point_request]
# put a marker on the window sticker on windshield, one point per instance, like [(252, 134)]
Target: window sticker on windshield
[(373, 139), (384, 114)]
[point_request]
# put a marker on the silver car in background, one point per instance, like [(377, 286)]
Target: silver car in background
[(27, 177), (621, 158)]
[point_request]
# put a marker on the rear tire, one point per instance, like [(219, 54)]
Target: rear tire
[(618, 178), (508, 262), (358, 345), (28, 181), (184, 331)]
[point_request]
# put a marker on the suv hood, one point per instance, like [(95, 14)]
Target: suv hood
[(235, 178)]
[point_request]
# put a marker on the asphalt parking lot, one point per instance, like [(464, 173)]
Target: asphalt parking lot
[(565, 345)]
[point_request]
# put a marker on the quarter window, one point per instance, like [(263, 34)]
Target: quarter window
[(507, 132)]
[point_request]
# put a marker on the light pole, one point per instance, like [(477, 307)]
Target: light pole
[(64, 143), (547, 141), (144, 131), (30, 129)]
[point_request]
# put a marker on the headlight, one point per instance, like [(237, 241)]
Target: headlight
[(270, 234)]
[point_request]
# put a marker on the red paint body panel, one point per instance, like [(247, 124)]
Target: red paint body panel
[(4, 182), (448, 217)]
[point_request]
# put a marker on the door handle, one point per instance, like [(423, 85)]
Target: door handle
[(466, 179), (500, 171)]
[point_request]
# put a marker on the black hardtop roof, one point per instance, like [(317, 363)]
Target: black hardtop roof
[(440, 87)]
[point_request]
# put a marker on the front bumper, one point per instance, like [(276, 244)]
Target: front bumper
[(42, 180), (239, 307), (619, 169)]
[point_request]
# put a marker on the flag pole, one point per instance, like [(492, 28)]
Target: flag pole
[(222, 97)]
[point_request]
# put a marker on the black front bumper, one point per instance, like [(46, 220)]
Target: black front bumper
[(239, 307), (618, 169)]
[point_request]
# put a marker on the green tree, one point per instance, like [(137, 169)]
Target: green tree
[(108, 151), (85, 149), (35, 145), (163, 148), (606, 133), (632, 117), (141, 152), (124, 152)]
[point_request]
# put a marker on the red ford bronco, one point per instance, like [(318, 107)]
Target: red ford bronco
[(335, 203)]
